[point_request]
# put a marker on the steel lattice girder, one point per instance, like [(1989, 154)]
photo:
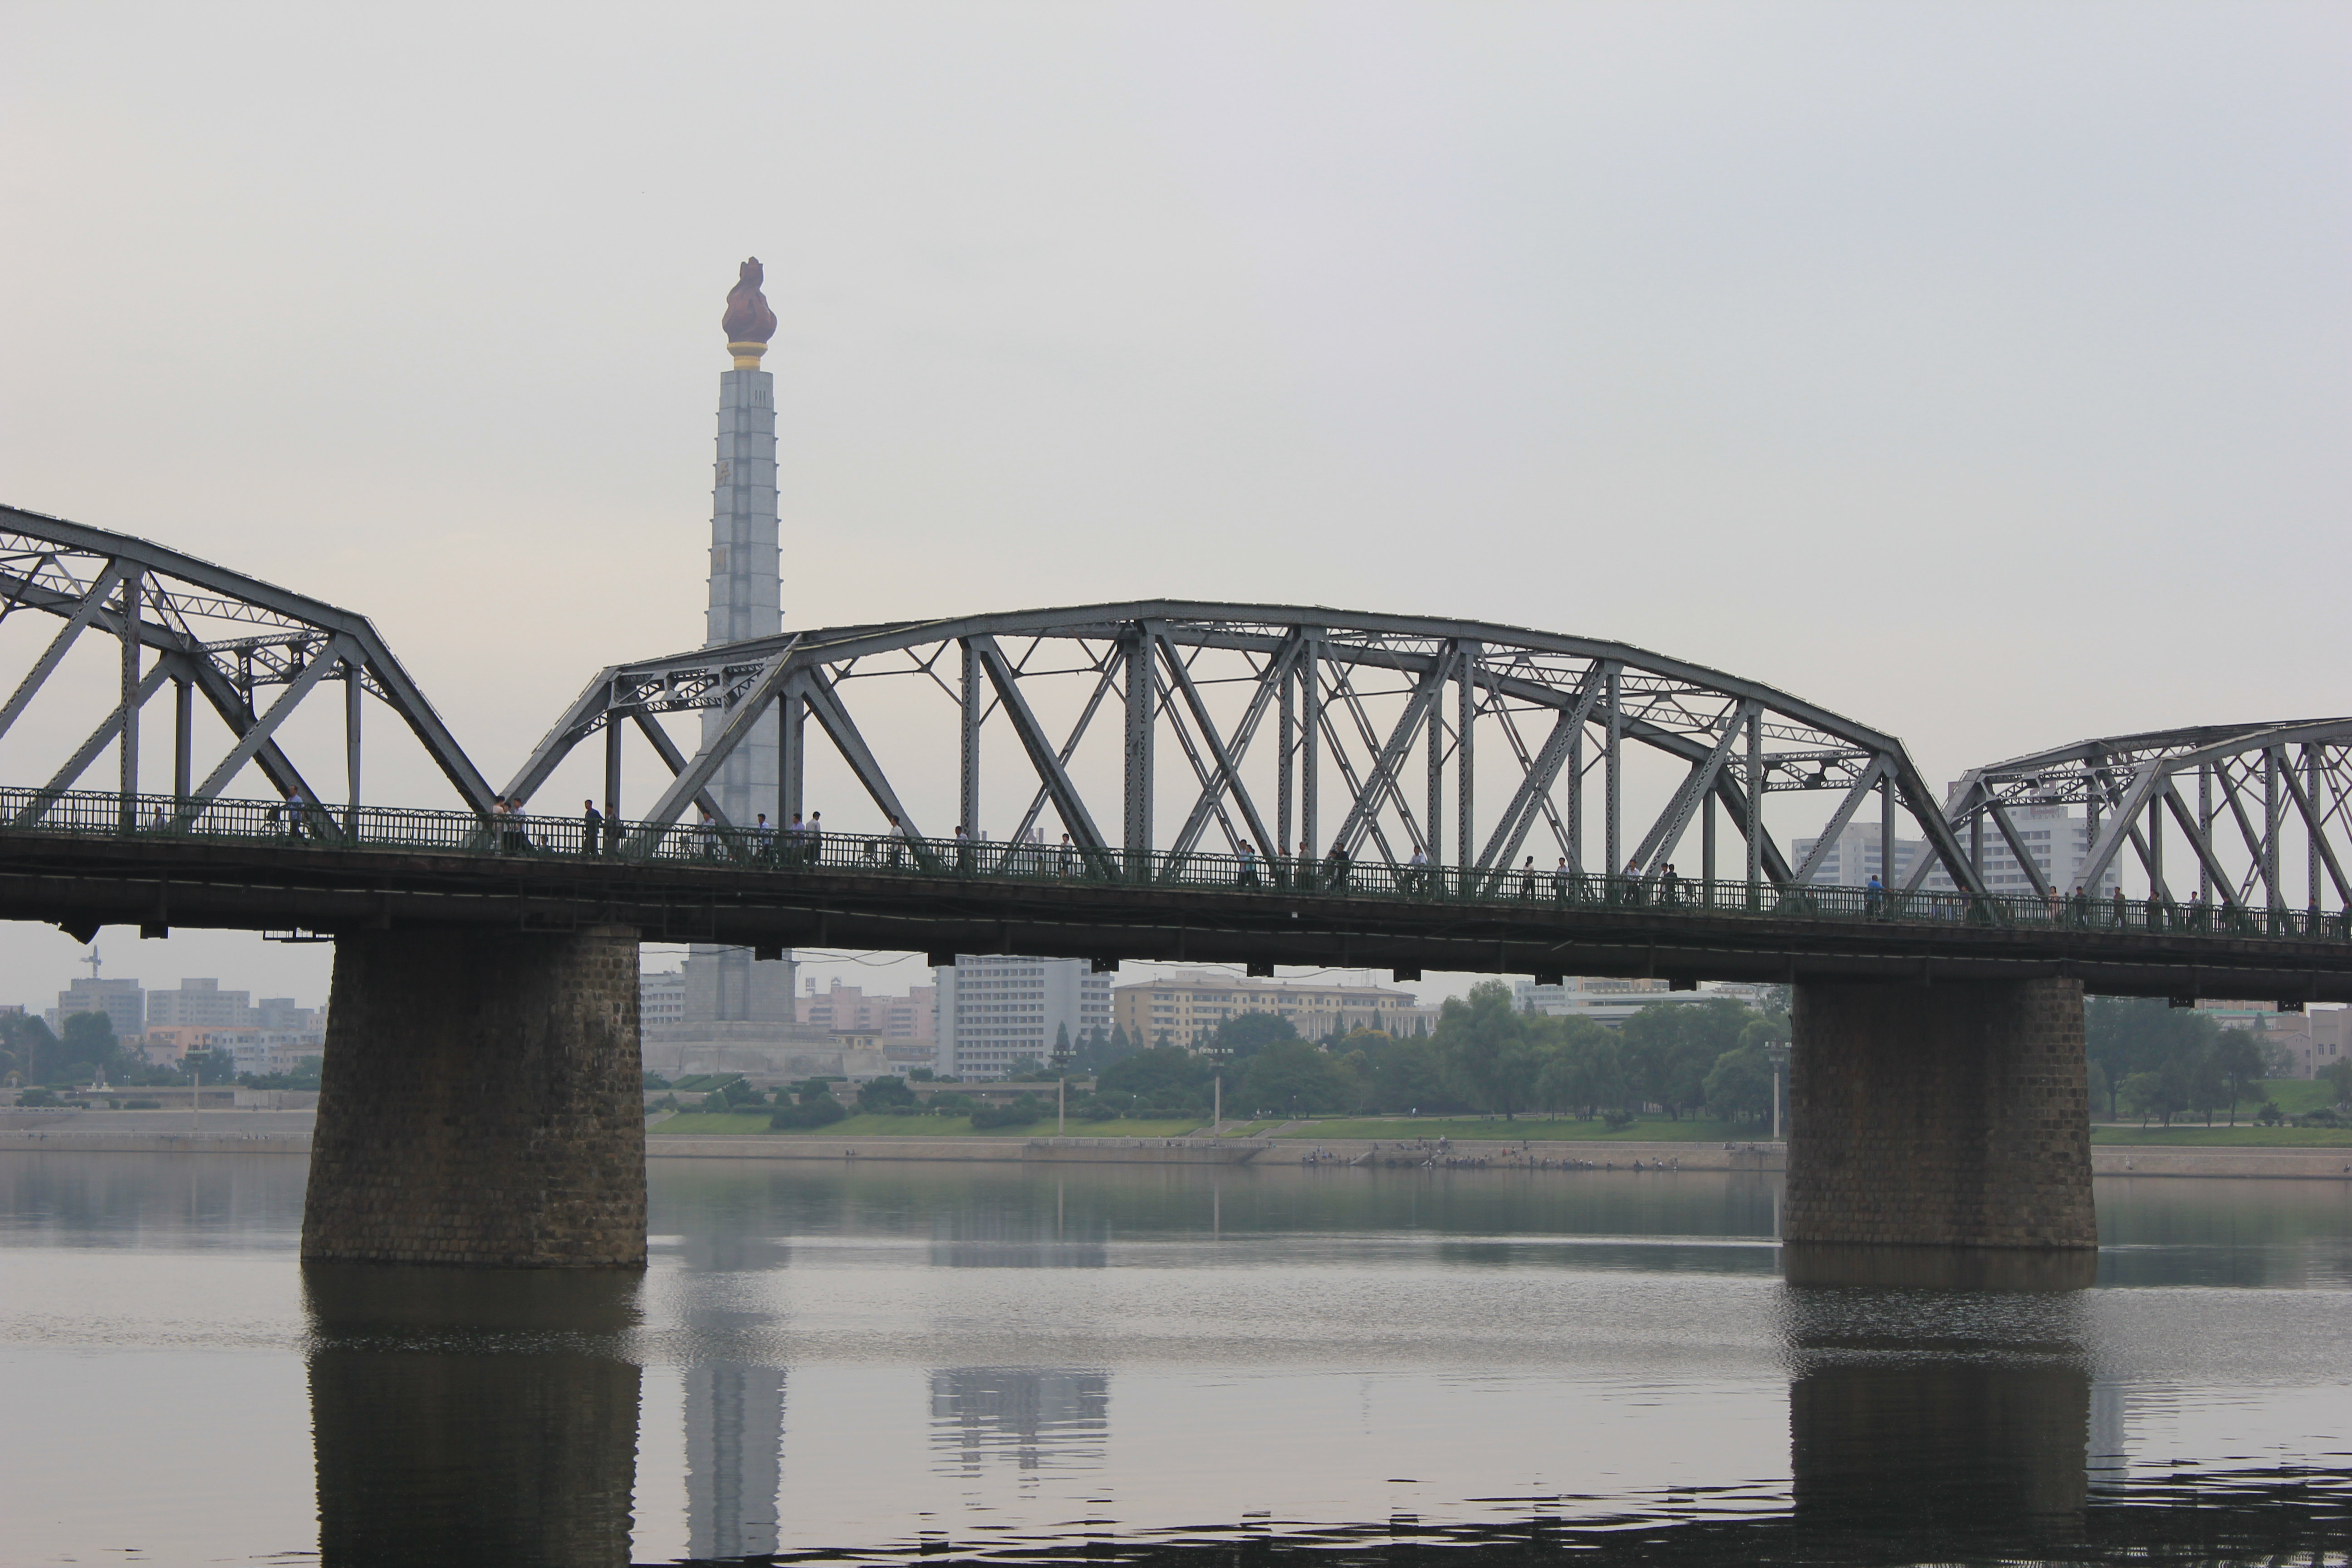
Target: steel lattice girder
[(1308, 668), (79, 574), (2130, 785)]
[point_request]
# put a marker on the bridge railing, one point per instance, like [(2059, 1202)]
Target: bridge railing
[(768, 852)]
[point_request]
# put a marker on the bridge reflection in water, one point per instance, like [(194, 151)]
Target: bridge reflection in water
[(472, 1415), (1936, 1391), (1940, 1405)]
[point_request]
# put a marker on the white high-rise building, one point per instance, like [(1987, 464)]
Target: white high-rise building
[(2058, 839), (997, 1011)]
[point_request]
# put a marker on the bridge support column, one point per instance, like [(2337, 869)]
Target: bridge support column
[(1955, 1115), (481, 1103)]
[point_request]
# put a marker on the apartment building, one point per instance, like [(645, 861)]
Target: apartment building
[(124, 1003), (894, 1020), (661, 998), (2057, 840), (997, 1011), (1181, 1008)]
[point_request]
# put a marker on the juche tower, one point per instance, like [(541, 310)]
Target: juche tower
[(746, 601)]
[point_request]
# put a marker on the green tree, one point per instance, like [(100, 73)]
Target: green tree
[(813, 1105), (1739, 1086), (1670, 1048), (1163, 1075), (2237, 1060), (1407, 1074), (88, 1048), (1291, 1075), (2125, 1036), (25, 1046), (208, 1067), (885, 1094), (1245, 1035), (2339, 1075)]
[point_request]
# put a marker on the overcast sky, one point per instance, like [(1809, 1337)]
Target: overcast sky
[(1982, 372)]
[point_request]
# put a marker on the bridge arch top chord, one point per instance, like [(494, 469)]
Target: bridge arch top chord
[(1296, 724), (253, 651), (2266, 793)]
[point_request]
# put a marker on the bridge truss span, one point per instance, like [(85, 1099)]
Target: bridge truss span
[(1178, 728), (2260, 813), (248, 651)]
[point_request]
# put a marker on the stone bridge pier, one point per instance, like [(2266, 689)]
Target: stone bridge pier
[(481, 1103), (1955, 1114)]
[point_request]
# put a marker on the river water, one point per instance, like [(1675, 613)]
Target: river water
[(886, 1362)]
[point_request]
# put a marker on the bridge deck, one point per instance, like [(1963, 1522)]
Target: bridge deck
[(71, 860)]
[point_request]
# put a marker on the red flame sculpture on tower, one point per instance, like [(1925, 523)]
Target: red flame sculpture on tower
[(749, 321)]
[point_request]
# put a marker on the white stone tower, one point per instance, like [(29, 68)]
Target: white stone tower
[(746, 601)]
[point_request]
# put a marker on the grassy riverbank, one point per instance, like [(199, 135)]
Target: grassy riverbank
[(1534, 1128), (706, 1123), (2238, 1137)]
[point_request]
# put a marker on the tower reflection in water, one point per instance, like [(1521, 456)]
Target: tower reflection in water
[(472, 1417), (734, 1399), (1939, 1396), (1031, 1418)]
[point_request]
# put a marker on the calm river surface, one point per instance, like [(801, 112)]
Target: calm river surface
[(884, 1362)]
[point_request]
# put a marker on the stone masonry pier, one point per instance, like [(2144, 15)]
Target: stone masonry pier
[(481, 1103), (1955, 1114)]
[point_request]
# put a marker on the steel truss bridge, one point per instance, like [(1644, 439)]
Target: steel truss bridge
[(1328, 809)]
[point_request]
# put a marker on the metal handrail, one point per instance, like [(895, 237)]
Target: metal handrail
[(98, 814)]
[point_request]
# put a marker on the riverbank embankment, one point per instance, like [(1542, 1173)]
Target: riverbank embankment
[(289, 1133)]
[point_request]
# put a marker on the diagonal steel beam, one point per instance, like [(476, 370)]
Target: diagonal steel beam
[(1104, 685), (2017, 850), (1382, 777), (1269, 680), (693, 781), (1535, 786), (2313, 820), (2122, 819), (1067, 803), (823, 701), (1228, 777), (338, 653), (97, 741), (1856, 793), (2214, 871), (1667, 832), (675, 761), (1343, 683), (92, 603), (578, 722)]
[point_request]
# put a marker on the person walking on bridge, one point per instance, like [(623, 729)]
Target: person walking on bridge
[(1248, 877), (591, 827), (1873, 897)]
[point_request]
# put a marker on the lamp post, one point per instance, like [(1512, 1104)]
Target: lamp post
[(1777, 1053)]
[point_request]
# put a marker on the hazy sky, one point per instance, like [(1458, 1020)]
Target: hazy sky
[(1982, 372)]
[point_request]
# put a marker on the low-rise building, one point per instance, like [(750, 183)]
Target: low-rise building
[(1185, 1008), (2299, 1044), (1606, 1002), (910, 1019)]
